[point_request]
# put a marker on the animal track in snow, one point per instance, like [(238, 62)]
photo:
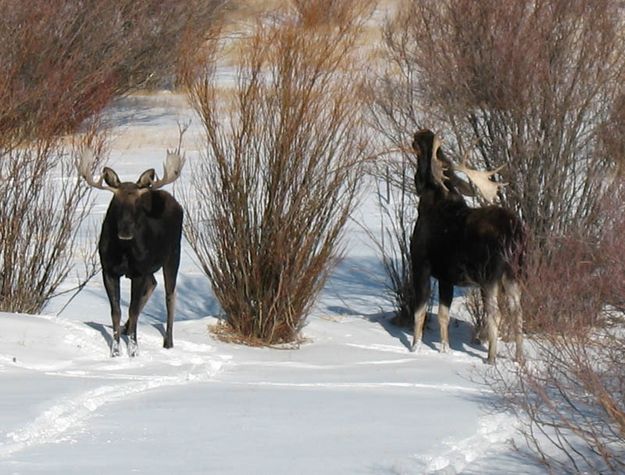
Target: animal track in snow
[(494, 430), (123, 378)]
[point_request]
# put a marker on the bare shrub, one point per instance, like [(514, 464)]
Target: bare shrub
[(281, 172), (570, 398), (61, 63), (571, 393), (474, 306), (535, 86), (88, 52), (42, 206), (397, 217)]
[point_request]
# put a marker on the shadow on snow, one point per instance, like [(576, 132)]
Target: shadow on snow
[(360, 285), (356, 288)]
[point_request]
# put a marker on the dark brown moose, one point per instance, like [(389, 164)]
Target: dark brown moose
[(462, 246), (140, 234)]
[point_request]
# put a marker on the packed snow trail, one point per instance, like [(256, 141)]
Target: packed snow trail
[(125, 377)]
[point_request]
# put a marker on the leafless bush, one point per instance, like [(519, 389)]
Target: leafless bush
[(571, 393), (61, 62), (535, 86), (397, 217), (281, 170), (570, 399), (474, 305), (87, 52), (42, 206)]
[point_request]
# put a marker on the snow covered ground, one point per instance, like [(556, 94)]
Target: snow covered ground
[(351, 399)]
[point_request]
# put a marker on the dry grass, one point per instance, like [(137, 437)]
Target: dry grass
[(241, 16), (225, 332)]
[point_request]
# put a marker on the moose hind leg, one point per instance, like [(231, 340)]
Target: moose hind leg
[(170, 272), (492, 319), (141, 290), (513, 296), (111, 284), (446, 295)]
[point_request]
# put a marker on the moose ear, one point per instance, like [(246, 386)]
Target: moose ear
[(110, 177), (146, 179)]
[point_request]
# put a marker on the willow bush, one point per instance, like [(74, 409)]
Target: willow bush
[(281, 169), (61, 64)]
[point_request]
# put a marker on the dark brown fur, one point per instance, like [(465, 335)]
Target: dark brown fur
[(461, 246), (140, 234)]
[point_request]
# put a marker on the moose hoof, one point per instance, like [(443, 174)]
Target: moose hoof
[(133, 348), (444, 348), (168, 344), (416, 347), (115, 349)]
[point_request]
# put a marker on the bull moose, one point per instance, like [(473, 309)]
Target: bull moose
[(462, 246), (140, 234)]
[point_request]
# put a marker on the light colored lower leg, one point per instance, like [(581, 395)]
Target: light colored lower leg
[(513, 294), (115, 348), (133, 347), (492, 317), (419, 319), (168, 342), (443, 322)]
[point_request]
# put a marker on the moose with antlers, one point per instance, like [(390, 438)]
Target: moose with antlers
[(462, 246), (140, 234)]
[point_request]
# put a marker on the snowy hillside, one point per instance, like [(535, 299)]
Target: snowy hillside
[(351, 399)]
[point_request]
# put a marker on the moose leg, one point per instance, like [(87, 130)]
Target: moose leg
[(490, 304), (150, 286), (111, 283), (421, 281), (141, 289), (170, 272), (513, 296), (446, 295)]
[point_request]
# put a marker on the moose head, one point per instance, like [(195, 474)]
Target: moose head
[(436, 171), (131, 201)]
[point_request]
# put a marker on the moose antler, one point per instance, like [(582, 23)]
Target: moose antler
[(84, 164), (171, 169), (174, 161), (438, 168), (482, 181)]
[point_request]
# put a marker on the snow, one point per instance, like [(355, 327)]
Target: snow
[(351, 399)]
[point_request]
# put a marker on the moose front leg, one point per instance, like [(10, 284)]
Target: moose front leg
[(111, 284), (141, 290), (445, 297), (421, 280)]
